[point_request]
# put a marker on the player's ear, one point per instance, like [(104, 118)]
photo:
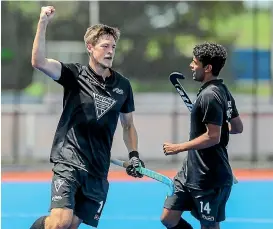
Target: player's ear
[(208, 68), (89, 48)]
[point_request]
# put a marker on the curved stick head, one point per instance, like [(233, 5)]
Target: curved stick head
[(174, 76)]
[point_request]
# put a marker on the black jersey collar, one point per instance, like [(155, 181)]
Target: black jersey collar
[(213, 82), (108, 80)]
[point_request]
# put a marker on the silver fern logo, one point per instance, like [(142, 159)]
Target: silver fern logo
[(103, 104)]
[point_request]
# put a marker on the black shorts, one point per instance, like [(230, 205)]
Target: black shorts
[(207, 206), (78, 190)]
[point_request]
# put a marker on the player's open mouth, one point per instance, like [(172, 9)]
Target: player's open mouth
[(108, 58)]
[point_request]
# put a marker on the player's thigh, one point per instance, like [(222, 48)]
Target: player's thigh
[(179, 201), (59, 218), (75, 222), (176, 204), (170, 218), (225, 194), (64, 186), (209, 205), (91, 199)]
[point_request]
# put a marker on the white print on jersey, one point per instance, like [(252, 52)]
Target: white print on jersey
[(56, 198), (58, 183), (229, 110), (102, 104), (118, 91)]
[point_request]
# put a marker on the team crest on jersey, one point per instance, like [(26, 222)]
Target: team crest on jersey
[(102, 104), (118, 91), (58, 183)]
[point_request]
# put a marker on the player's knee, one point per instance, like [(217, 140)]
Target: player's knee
[(58, 224), (39, 223), (75, 223), (212, 225), (62, 224), (168, 219), (182, 224), (59, 219), (165, 220)]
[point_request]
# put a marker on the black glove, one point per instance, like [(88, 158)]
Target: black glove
[(134, 162)]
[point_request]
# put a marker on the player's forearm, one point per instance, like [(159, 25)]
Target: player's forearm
[(231, 131), (236, 125), (130, 137), (201, 142), (38, 50), (234, 130)]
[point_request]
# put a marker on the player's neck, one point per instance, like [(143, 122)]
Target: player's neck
[(209, 78), (104, 72)]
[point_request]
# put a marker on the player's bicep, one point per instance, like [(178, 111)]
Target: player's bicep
[(126, 120), (211, 109), (51, 68)]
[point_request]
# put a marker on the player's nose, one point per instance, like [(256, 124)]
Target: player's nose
[(111, 51)]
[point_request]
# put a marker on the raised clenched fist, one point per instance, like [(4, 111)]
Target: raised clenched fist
[(47, 13)]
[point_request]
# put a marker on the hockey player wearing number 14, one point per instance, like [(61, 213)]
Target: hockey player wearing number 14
[(203, 185), (95, 96)]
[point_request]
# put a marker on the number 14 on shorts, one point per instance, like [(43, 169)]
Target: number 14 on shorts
[(205, 207)]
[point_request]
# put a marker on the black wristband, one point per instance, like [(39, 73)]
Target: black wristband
[(133, 154)]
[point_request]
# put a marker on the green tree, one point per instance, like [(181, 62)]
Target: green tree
[(157, 37)]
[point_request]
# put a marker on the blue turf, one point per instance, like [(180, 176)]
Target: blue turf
[(250, 205)]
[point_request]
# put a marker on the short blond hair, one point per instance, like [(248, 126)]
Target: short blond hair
[(94, 32)]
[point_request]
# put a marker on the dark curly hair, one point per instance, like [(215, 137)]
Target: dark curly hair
[(212, 54)]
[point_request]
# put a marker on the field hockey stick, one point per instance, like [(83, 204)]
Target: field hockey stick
[(149, 173), (174, 78)]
